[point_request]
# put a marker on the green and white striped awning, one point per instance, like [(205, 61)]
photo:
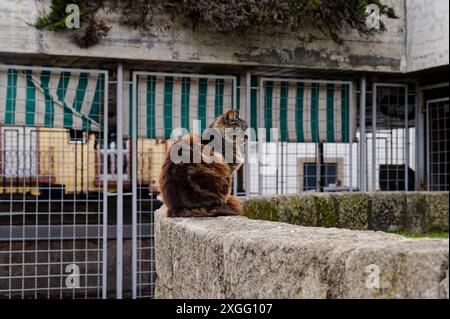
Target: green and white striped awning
[(54, 99), (304, 112), (308, 112), (165, 103)]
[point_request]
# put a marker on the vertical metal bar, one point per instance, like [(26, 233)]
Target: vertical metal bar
[(235, 177), (317, 162), (350, 134), (119, 225), (406, 137), (247, 146), (363, 141), (359, 166), (420, 135), (234, 93), (134, 188), (260, 142), (320, 168), (105, 190), (21, 171), (281, 167), (276, 166), (428, 148), (235, 183), (374, 137)]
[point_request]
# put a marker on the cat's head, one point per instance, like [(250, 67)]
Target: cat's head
[(231, 120)]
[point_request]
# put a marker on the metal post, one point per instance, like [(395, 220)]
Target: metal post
[(363, 144), (420, 141), (134, 187), (235, 177), (406, 141), (374, 137), (260, 138), (320, 168), (248, 91), (105, 191), (350, 134), (428, 147), (276, 167), (119, 229)]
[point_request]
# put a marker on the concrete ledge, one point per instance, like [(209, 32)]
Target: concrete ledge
[(418, 212), (236, 257)]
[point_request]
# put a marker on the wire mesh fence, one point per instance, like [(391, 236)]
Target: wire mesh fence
[(315, 149), (59, 162), (391, 138), (166, 106), (437, 143), (52, 217)]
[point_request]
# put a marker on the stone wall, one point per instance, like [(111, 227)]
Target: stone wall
[(236, 257), (417, 212)]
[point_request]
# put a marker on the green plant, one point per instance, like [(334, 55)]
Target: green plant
[(224, 16), (420, 235), (55, 20)]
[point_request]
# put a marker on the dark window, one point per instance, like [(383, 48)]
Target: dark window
[(310, 170), (77, 136), (309, 181)]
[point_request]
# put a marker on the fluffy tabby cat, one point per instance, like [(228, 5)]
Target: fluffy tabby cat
[(203, 189)]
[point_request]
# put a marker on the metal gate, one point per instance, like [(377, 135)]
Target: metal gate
[(53, 182), (437, 144), (391, 164), (163, 106), (62, 174), (315, 144)]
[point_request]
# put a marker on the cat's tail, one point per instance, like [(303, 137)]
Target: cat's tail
[(231, 208)]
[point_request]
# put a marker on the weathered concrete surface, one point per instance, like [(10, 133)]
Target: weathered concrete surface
[(418, 212), (236, 257), (427, 36), (418, 40), (383, 52)]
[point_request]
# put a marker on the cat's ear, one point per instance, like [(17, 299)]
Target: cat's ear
[(231, 115)]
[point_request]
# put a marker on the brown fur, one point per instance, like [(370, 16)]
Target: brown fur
[(201, 189)]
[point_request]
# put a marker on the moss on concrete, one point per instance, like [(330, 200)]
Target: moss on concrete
[(326, 210), (421, 235), (388, 211), (298, 210), (416, 218), (353, 211), (391, 212), (265, 208), (437, 205)]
